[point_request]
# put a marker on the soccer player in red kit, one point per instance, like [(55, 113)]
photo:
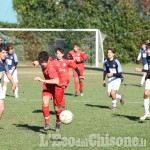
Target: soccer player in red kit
[(62, 68), (50, 81), (79, 57)]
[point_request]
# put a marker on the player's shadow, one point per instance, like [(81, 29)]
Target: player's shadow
[(133, 118), (33, 128), (69, 94), (10, 95), (99, 106), (130, 85), (40, 111)]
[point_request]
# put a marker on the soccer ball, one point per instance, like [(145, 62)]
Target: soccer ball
[(66, 116)]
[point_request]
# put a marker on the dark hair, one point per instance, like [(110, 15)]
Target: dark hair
[(143, 43), (59, 49), (4, 47), (75, 44), (148, 46), (43, 57), (10, 46), (112, 50)]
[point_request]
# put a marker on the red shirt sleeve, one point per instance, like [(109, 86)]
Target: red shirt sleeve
[(72, 64), (50, 59), (83, 55), (69, 55)]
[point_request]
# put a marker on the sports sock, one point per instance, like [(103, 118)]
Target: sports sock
[(81, 86), (146, 106), (142, 80), (76, 85), (118, 96), (16, 91), (46, 113), (4, 90), (57, 116), (114, 103)]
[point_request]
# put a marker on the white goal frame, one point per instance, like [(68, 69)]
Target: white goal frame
[(98, 37)]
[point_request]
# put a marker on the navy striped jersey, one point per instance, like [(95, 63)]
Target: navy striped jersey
[(142, 54), (113, 67), (11, 60), (3, 67), (148, 62)]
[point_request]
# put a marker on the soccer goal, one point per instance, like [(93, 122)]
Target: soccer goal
[(29, 42)]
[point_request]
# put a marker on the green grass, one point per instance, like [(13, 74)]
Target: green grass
[(22, 123)]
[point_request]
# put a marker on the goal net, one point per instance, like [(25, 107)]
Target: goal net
[(29, 42)]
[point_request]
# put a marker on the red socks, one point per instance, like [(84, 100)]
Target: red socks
[(81, 86), (46, 113), (76, 85), (57, 116)]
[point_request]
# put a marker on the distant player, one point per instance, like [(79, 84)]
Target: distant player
[(147, 85), (62, 68), (143, 54), (50, 82), (12, 62), (113, 70), (79, 58), (4, 67)]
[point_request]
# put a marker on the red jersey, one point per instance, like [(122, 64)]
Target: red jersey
[(49, 72), (77, 55), (62, 68)]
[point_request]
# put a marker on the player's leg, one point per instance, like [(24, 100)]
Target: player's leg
[(1, 108), (59, 105), (81, 83), (146, 100), (144, 75), (15, 77), (75, 76), (114, 100)]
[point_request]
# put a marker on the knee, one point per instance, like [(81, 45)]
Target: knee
[(109, 95), (146, 95), (2, 109), (57, 109)]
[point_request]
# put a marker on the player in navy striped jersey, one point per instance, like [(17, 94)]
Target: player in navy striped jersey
[(4, 67), (12, 62), (147, 84), (143, 54), (113, 70)]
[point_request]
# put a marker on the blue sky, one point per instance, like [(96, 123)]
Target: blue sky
[(7, 14)]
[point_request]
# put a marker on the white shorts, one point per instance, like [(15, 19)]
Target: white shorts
[(14, 76), (113, 84), (145, 67), (147, 84)]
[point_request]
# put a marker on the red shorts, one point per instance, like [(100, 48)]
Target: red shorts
[(75, 75), (48, 90), (59, 99)]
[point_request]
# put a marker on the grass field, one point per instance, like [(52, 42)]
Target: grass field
[(21, 126)]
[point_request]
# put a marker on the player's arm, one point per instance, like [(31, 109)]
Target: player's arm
[(15, 62), (36, 63), (104, 77), (139, 57), (50, 81), (69, 56), (83, 56)]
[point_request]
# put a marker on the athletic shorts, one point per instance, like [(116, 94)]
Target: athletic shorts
[(14, 75), (113, 84), (48, 91), (59, 99), (147, 84), (145, 67), (75, 75)]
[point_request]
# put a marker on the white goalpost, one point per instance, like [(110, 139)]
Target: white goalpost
[(91, 41)]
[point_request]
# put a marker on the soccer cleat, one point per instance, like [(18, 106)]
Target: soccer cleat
[(145, 116), (140, 85), (58, 126), (121, 100), (16, 96), (81, 93), (112, 108), (76, 94), (47, 126)]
